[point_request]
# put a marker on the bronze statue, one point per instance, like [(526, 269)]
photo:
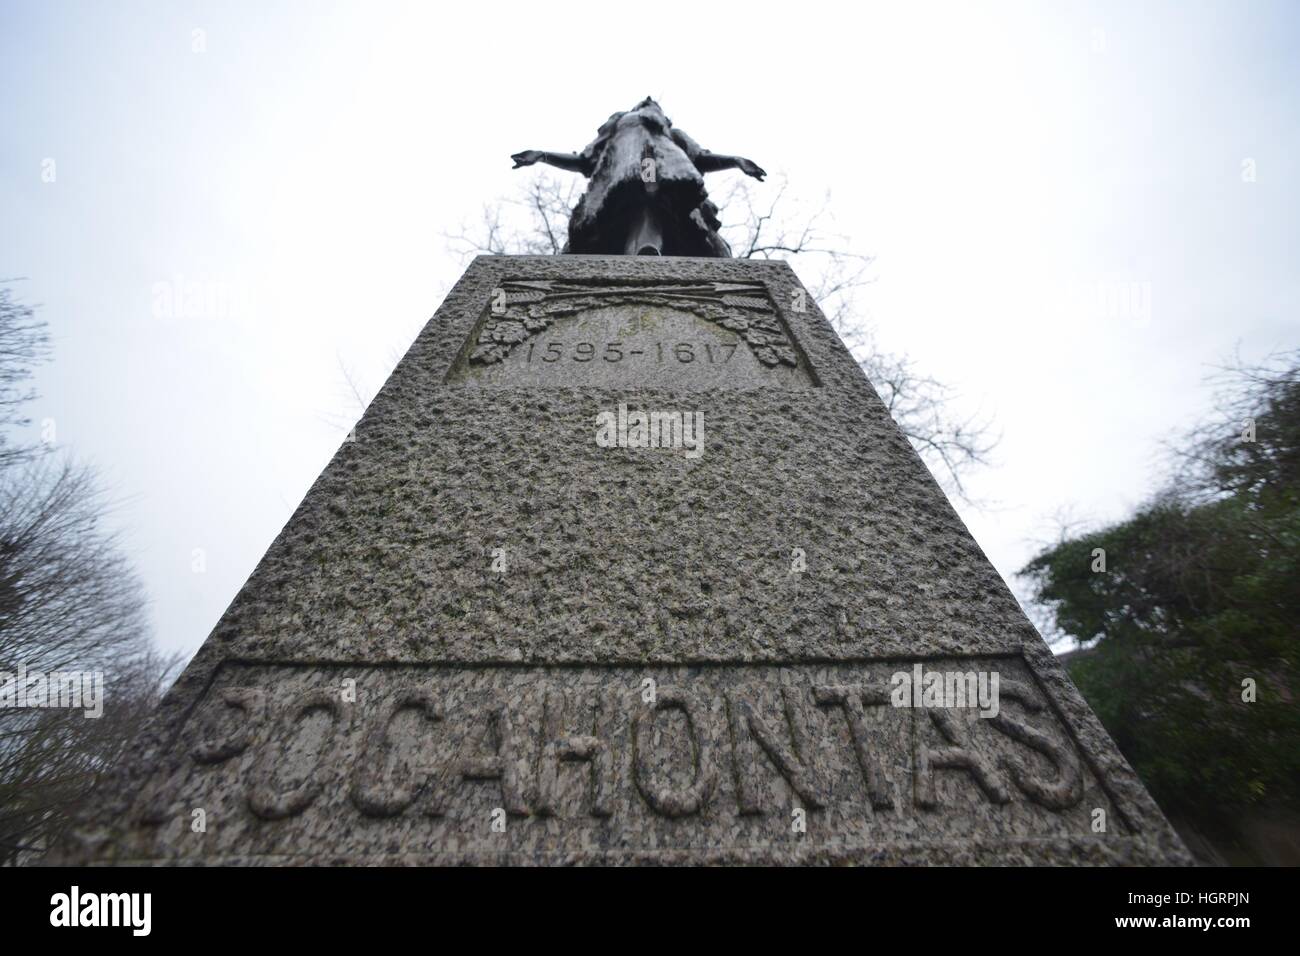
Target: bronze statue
[(646, 195)]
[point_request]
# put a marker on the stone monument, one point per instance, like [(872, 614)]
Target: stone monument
[(626, 563)]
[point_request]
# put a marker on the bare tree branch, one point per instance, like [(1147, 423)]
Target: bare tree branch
[(68, 602), (24, 344), (535, 223)]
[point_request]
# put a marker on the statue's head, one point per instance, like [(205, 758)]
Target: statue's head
[(649, 104)]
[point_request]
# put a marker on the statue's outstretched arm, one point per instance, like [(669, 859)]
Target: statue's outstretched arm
[(707, 162), (714, 162), (573, 162)]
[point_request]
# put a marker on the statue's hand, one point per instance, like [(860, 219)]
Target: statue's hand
[(751, 168), (526, 158)]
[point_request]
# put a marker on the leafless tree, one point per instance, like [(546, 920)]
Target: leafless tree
[(768, 222), (1221, 455), (69, 602), (24, 344), (534, 223)]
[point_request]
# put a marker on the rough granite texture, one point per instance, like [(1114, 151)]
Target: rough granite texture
[(639, 674)]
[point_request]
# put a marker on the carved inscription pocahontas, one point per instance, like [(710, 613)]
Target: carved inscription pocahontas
[(575, 757)]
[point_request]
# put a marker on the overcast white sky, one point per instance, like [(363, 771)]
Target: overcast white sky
[(1054, 194)]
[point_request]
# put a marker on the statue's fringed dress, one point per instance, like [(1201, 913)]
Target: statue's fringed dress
[(620, 186)]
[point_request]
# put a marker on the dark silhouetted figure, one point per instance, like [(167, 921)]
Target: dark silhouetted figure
[(646, 196)]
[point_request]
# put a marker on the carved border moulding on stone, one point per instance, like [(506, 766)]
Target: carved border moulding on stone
[(522, 308)]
